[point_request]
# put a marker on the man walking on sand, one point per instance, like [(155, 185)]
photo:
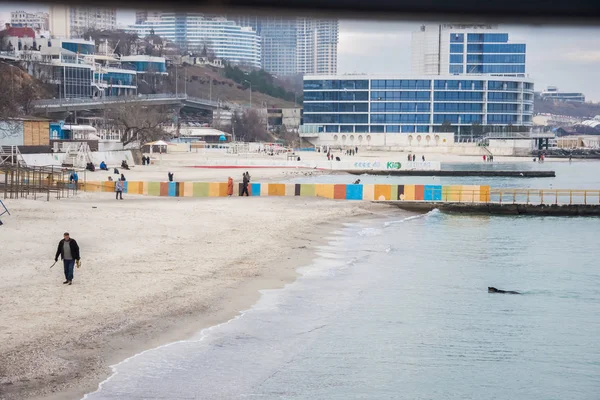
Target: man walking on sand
[(68, 250)]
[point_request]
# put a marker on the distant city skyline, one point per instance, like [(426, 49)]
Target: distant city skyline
[(562, 56)]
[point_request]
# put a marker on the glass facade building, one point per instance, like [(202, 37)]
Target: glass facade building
[(369, 104), (485, 53), (458, 49), (195, 31)]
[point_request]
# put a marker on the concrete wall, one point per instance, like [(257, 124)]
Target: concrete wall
[(511, 147), (370, 192), (388, 140), (377, 164)]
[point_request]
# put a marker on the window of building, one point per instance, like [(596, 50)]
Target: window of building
[(457, 37), (392, 128), (376, 129), (456, 69), (456, 58), (457, 48)]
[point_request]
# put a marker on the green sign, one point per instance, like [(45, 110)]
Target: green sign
[(394, 165)]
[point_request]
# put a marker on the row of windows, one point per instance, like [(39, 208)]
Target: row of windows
[(336, 96), (395, 118), (492, 58), (376, 128), (455, 107), (458, 96), (336, 84), (495, 108), (479, 37), (496, 48), (456, 69), (500, 85), (487, 37), (399, 128), (401, 84), (503, 96), (422, 84), (410, 107), (502, 119), (337, 107), (460, 85), (336, 118), (496, 69), (400, 107), (381, 96), (457, 118)]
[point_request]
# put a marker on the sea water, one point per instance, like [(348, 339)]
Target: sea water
[(398, 308)]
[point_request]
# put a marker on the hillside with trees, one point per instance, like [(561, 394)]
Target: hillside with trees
[(578, 110)]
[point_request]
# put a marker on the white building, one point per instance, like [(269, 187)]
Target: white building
[(37, 20), (66, 21), (194, 31), (466, 49)]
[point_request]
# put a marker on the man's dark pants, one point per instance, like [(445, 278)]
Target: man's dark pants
[(69, 266)]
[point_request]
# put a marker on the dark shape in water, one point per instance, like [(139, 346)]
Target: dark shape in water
[(492, 289)]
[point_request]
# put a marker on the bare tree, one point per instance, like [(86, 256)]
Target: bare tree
[(140, 124), (249, 127)]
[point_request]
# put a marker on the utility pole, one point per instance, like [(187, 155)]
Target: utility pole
[(210, 93), (176, 80), (185, 83)]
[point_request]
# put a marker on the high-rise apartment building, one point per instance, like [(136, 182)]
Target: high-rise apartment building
[(279, 45), (296, 45), (37, 20), (66, 21), (196, 31), (143, 16), (466, 49)]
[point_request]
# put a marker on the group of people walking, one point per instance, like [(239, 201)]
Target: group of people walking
[(488, 158)]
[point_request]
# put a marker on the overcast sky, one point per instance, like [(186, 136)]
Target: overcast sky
[(565, 57)]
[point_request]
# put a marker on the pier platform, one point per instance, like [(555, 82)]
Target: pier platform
[(559, 210), (486, 173)]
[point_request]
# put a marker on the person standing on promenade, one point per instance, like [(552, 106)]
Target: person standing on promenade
[(229, 186), (68, 250), (245, 180), (119, 189)]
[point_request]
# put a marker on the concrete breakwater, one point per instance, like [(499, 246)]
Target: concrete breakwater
[(558, 210), (487, 173)]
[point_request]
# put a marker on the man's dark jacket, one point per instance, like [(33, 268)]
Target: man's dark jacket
[(74, 249)]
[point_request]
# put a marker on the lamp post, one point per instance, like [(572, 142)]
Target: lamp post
[(245, 80)]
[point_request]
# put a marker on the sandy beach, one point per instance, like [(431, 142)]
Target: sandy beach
[(154, 270), (180, 164)]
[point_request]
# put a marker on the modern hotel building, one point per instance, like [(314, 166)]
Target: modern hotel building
[(340, 109), (469, 80)]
